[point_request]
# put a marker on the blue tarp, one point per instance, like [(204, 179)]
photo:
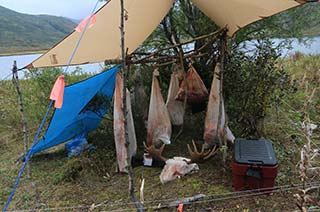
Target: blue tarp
[(84, 105)]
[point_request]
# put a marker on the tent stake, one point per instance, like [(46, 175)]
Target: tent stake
[(15, 80), (138, 205)]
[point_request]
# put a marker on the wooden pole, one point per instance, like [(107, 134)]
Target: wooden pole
[(138, 205), (222, 61), (149, 57), (181, 55), (15, 79), (163, 59)]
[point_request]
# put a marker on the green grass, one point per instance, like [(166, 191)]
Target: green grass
[(92, 177)]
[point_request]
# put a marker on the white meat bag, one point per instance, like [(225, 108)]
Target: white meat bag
[(175, 108), (229, 136), (211, 136), (176, 168), (212, 116), (118, 127), (159, 125)]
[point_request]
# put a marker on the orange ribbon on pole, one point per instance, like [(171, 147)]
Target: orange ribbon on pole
[(58, 91)]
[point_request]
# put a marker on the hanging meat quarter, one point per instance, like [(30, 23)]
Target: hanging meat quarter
[(175, 108), (118, 126), (159, 125), (212, 132), (193, 87)]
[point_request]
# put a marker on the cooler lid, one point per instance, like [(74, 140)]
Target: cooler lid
[(258, 152)]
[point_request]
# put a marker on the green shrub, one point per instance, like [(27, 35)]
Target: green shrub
[(250, 83)]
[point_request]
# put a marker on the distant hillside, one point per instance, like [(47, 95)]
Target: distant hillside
[(305, 18), (302, 21), (22, 32)]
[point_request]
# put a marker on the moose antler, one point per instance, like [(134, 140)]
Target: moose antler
[(154, 152), (201, 156)]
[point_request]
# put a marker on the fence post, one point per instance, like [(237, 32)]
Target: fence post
[(15, 80)]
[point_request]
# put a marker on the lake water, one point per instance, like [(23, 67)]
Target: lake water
[(311, 46), (6, 62)]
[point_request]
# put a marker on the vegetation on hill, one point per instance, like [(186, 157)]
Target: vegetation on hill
[(302, 21), (22, 32)]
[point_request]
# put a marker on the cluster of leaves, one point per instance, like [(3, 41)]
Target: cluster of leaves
[(251, 82)]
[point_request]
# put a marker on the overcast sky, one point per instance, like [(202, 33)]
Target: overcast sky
[(75, 9)]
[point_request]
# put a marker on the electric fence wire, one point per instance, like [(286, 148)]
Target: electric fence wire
[(235, 194), (292, 122), (300, 130), (163, 206), (208, 199), (6, 77), (8, 138)]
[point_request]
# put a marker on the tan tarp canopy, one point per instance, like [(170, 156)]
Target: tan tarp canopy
[(102, 41), (236, 14)]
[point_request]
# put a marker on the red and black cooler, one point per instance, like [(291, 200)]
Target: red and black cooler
[(254, 165)]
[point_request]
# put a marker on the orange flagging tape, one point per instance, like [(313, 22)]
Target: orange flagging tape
[(180, 207), (92, 19), (58, 91)]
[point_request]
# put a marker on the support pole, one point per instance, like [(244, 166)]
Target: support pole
[(181, 56), (15, 79), (222, 138), (138, 205)]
